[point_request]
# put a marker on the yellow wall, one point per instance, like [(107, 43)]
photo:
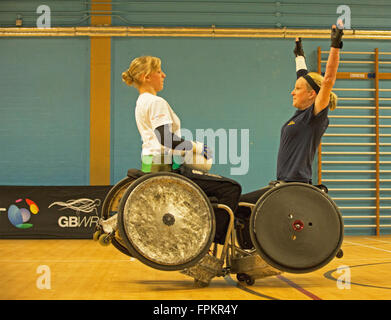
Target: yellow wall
[(100, 99)]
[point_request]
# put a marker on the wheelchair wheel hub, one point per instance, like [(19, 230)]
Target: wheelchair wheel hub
[(168, 219)]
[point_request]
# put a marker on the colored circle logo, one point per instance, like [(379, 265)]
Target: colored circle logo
[(20, 216)]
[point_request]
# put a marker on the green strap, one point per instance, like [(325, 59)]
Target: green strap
[(147, 165), (175, 164)]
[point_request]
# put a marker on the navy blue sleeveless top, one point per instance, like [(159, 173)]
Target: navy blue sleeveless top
[(300, 137)]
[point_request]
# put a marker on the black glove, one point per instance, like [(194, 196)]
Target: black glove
[(336, 37), (298, 51)]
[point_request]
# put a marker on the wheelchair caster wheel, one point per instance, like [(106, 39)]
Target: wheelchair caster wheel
[(96, 235), (200, 284), (339, 254), (243, 277), (250, 281), (104, 240)]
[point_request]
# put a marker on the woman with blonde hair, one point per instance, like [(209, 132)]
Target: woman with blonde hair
[(301, 134), (160, 130)]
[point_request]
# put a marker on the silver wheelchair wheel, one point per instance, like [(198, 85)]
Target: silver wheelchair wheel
[(166, 221)]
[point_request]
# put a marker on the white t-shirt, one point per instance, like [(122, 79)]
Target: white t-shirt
[(152, 112)]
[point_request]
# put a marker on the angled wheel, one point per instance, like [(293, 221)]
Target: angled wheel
[(339, 254), (110, 208), (166, 221), (250, 281), (104, 240), (111, 203), (96, 235)]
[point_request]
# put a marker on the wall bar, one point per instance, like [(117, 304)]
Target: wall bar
[(360, 226), (355, 162), (352, 117), (356, 171), (354, 144), (358, 189), (377, 139), (360, 199), (359, 217), (351, 61), (362, 208), (355, 107), (349, 135), (353, 89), (356, 180)]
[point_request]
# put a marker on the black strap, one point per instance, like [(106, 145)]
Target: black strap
[(312, 83), (301, 73)]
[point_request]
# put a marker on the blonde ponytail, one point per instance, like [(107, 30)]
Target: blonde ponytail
[(127, 78), (333, 101), (140, 68)]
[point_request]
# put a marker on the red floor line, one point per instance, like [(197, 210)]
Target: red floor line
[(297, 287)]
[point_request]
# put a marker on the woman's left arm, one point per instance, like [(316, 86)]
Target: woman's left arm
[(323, 98)]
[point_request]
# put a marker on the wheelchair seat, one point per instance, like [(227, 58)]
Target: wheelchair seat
[(135, 173)]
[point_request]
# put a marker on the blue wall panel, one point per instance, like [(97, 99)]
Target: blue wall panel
[(63, 13), (44, 112), (255, 14)]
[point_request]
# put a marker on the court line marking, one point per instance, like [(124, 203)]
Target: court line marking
[(364, 245), (328, 275), (297, 287), (232, 282), (294, 285), (66, 261), (389, 242)]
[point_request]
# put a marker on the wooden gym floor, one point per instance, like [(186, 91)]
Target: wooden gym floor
[(84, 270)]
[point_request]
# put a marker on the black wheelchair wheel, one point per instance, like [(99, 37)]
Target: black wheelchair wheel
[(296, 227)]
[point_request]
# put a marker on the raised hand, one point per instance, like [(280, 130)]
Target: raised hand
[(298, 51), (336, 35)]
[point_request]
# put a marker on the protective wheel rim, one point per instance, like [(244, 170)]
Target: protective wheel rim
[(297, 228), (113, 198), (166, 221)]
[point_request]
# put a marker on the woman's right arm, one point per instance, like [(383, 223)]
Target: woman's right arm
[(323, 97), (170, 140)]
